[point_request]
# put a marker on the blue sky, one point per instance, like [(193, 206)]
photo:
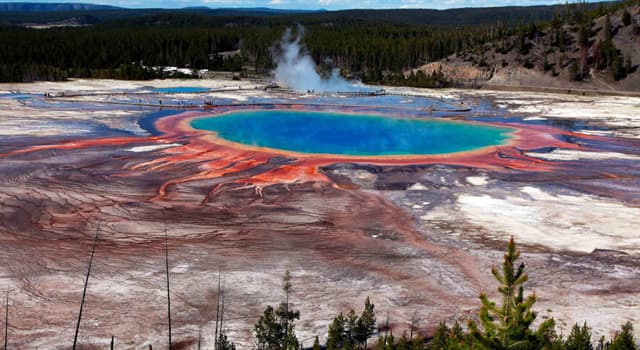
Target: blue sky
[(314, 4)]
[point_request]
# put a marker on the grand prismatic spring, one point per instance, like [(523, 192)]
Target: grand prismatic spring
[(406, 197), (350, 134)]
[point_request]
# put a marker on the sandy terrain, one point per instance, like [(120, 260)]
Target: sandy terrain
[(414, 237)]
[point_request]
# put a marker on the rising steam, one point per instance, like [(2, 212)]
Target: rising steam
[(296, 69)]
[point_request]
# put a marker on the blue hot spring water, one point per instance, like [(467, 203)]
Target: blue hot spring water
[(351, 134)]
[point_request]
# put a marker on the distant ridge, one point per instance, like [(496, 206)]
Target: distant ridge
[(66, 7), (51, 7), (266, 10), (29, 13)]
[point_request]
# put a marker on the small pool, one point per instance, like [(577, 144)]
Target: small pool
[(17, 96), (351, 134), (182, 89)]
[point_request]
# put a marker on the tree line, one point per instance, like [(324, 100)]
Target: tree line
[(572, 39), (128, 50), (365, 47), (375, 46), (500, 325)]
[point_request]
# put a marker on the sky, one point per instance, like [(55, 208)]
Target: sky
[(312, 4)]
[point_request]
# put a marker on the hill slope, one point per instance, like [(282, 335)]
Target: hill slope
[(49, 7), (603, 54), (20, 13)]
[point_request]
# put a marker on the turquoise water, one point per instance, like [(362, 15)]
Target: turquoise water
[(182, 89), (350, 134)]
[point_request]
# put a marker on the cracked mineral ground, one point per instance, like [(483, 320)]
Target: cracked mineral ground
[(416, 234)]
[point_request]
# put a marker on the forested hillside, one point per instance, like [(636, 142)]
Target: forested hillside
[(39, 7), (124, 48), (581, 48), (373, 45), (21, 13)]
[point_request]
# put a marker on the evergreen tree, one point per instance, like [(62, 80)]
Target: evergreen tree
[(626, 17), (607, 27), (316, 343), (623, 340), (548, 339), (403, 343), (268, 331), (579, 338), (351, 331), (574, 71), (457, 337), (628, 66), (508, 326), (440, 340), (275, 330), (336, 338), (386, 343), (602, 344), (617, 69), (366, 324), (224, 344)]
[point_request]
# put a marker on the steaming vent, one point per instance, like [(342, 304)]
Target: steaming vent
[(296, 69)]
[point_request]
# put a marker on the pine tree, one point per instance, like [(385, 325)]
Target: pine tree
[(623, 340), (616, 69), (366, 324), (626, 17), (224, 344), (271, 332), (628, 66), (607, 28), (440, 340), (579, 338), (403, 343), (316, 344), (275, 330), (418, 343), (350, 330), (456, 336), (386, 343), (508, 326), (602, 344), (574, 71), (547, 337), (267, 330), (336, 337)]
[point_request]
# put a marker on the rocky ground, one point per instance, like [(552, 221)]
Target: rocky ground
[(414, 237), (546, 64)]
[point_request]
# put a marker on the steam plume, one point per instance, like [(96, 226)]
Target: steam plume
[(296, 69)]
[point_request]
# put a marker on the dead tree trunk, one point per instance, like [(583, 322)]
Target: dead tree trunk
[(6, 323), (215, 344), (199, 337), (222, 309), (166, 256), (84, 291)]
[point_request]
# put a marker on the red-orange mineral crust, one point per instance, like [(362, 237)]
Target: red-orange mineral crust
[(250, 213)]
